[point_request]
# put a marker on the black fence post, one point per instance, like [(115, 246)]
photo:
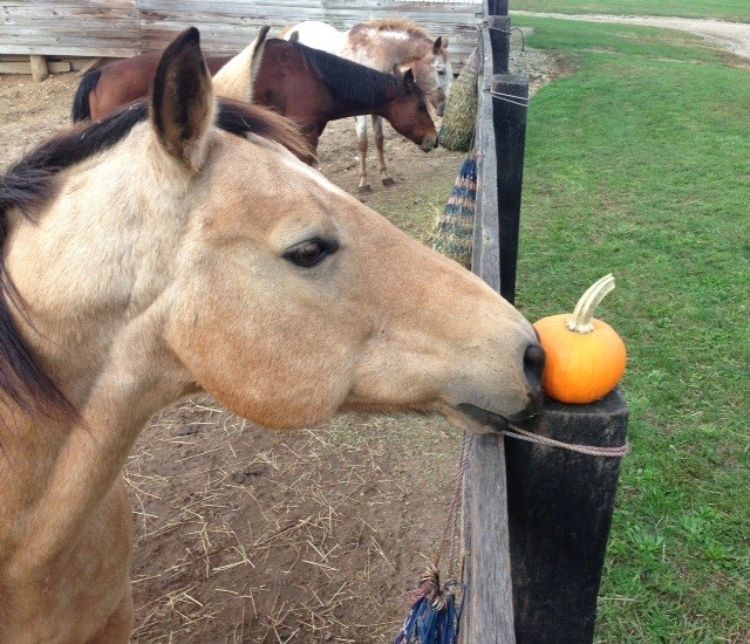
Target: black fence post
[(560, 507), (510, 96), (499, 27)]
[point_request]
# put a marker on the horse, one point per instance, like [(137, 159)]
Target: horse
[(313, 87), (383, 44), (309, 86), (179, 246)]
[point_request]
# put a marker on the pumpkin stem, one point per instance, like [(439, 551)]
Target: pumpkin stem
[(584, 311)]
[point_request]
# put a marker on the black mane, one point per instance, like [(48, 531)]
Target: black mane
[(29, 183), (351, 81)]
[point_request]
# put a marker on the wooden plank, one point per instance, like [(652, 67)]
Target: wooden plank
[(106, 5), (70, 27), (485, 259), (15, 67), (490, 599), (63, 50), (85, 67)]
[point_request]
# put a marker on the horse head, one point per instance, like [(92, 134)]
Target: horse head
[(224, 263), (433, 73), (408, 113)]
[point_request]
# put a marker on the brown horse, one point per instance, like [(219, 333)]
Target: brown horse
[(383, 45), (309, 86), (182, 248)]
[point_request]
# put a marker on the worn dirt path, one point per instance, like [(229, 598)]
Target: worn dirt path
[(732, 36)]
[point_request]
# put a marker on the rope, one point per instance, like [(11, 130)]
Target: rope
[(450, 532), (591, 450), (429, 584), (520, 101), (442, 598), (452, 535)]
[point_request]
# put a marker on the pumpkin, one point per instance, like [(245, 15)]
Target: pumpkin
[(585, 357)]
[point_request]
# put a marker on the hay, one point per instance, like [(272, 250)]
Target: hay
[(454, 229), (457, 128)]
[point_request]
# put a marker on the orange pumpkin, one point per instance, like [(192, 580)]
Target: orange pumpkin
[(585, 357)]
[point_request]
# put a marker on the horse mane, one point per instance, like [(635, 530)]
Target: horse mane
[(30, 182), (397, 24), (351, 81)]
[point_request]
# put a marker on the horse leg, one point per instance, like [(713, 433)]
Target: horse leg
[(120, 624), (377, 127), (361, 123)]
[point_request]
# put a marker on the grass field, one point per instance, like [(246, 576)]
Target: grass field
[(738, 10), (637, 163)]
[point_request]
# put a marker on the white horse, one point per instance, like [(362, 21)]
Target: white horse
[(384, 45)]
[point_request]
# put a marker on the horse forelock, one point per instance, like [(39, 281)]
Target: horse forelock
[(31, 182)]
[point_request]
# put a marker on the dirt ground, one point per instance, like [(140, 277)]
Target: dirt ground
[(248, 535)]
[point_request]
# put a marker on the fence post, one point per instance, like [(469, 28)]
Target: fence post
[(510, 96), (559, 503), (560, 507)]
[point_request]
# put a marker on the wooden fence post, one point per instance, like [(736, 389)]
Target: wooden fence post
[(39, 70), (560, 507)]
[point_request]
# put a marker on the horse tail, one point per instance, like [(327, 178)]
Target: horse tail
[(81, 107)]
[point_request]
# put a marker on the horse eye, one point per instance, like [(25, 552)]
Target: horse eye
[(311, 252)]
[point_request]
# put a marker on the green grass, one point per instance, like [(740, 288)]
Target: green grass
[(637, 163), (738, 10)]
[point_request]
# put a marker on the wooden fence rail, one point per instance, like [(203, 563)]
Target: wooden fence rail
[(536, 518)]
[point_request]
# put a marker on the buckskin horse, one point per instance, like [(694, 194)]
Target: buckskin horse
[(179, 246), (309, 86), (383, 45)]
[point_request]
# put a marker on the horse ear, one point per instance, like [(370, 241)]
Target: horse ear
[(439, 44), (294, 36), (182, 103), (409, 77), (257, 58)]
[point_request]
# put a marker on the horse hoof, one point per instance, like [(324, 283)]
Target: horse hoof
[(388, 182), (364, 189)]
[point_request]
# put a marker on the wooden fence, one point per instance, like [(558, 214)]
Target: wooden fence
[(119, 28), (536, 518)]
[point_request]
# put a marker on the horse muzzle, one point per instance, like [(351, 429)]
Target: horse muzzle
[(428, 143)]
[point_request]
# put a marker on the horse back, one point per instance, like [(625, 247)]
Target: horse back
[(124, 81)]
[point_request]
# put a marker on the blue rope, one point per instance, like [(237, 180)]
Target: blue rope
[(427, 625)]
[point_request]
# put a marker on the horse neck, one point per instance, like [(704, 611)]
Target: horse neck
[(102, 344), (233, 77), (55, 472), (343, 108)]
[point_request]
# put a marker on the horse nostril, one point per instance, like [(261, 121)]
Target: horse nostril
[(533, 365)]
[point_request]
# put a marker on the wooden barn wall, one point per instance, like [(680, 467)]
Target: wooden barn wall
[(124, 27), (227, 26), (70, 27)]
